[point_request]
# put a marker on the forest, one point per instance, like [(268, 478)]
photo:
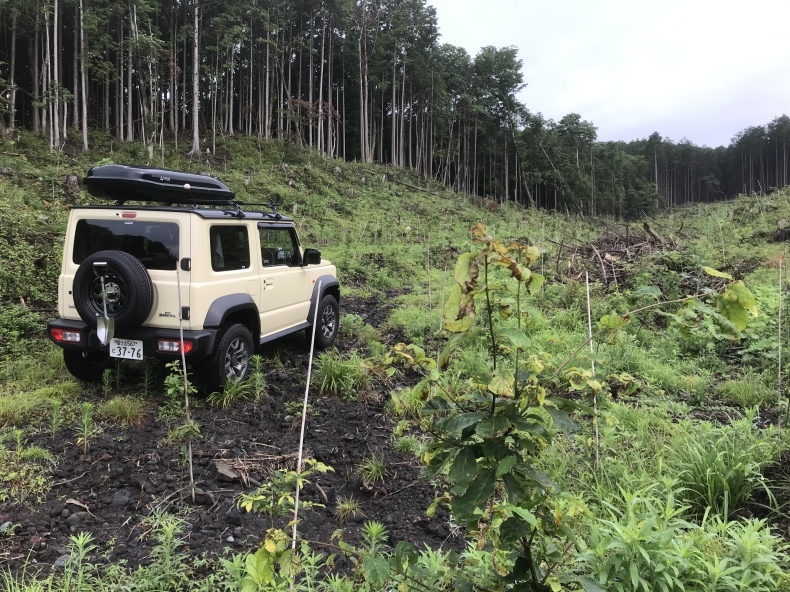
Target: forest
[(365, 80)]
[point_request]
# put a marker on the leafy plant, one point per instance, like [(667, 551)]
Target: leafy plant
[(646, 544), (86, 427), (177, 387), (276, 497), (107, 379), (56, 418)]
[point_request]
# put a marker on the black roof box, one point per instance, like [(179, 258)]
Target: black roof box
[(126, 183)]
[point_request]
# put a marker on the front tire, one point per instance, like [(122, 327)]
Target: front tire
[(231, 360), (86, 366), (328, 323)]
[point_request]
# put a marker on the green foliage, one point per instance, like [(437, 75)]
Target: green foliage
[(24, 470), (354, 328), (177, 387), (749, 389), (718, 467), (123, 410), (347, 507), (254, 388), (86, 427), (646, 544), (276, 497), (373, 469), (341, 375)]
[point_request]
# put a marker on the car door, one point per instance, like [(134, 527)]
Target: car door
[(285, 284)]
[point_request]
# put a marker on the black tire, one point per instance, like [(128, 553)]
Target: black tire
[(86, 366), (130, 292), (231, 358), (328, 323)]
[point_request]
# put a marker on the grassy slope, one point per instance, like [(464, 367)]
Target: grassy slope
[(388, 238)]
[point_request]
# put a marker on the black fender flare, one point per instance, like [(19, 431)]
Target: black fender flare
[(224, 306), (329, 285)]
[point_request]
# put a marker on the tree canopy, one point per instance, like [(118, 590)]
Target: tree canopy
[(355, 79)]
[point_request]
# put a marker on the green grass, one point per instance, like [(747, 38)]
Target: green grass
[(749, 389)]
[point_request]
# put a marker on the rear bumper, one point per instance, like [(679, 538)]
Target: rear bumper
[(202, 341)]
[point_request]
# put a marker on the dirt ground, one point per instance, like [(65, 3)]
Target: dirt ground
[(111, 490)]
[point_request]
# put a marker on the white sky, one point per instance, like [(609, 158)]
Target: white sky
[(700, 69)]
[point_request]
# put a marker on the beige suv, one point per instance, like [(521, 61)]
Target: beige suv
[(135, 278)]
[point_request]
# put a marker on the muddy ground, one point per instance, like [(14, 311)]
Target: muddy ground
[(128, 471)]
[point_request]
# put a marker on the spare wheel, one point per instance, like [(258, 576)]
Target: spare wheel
[(130, 292)]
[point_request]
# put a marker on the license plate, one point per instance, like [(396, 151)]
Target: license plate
[(128, 349)]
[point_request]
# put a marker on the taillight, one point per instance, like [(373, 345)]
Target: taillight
[(173, 346), (65, 336)]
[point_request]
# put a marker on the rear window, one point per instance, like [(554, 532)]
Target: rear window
[(155, 244), (230, 248)]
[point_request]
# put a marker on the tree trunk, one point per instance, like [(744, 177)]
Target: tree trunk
[(195, 80), (12, 76), (55, 78), (84, 78)]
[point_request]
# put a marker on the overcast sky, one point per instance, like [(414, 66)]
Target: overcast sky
[(700, 69)]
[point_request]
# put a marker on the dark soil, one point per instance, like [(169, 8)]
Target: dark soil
[(129, 471)]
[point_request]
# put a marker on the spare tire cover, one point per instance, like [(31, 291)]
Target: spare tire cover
[(130, 292)]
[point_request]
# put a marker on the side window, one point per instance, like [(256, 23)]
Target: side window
[(278, 247), (230, 249)]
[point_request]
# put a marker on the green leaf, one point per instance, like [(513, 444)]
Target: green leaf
[(612, 321), (562, 420), (454, 343), (535, 283), (459, 310), (405, 555), (377, 570), (516, 337), (651, 291), (734, 312), (466, 270), (502, 383), (736, 304), (460, 421), (513, 529), (715, 273), (464, 467), (476, 496), (525, 515), (491, 426), (590, 585), (505, 465)]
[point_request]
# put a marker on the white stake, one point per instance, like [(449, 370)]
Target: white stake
[(779, 377), (592, 351), (304, 415)]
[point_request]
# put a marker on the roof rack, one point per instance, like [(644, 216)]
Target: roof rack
[(273, 207)]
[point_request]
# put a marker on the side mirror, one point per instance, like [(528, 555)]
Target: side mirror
[(311, 257)]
